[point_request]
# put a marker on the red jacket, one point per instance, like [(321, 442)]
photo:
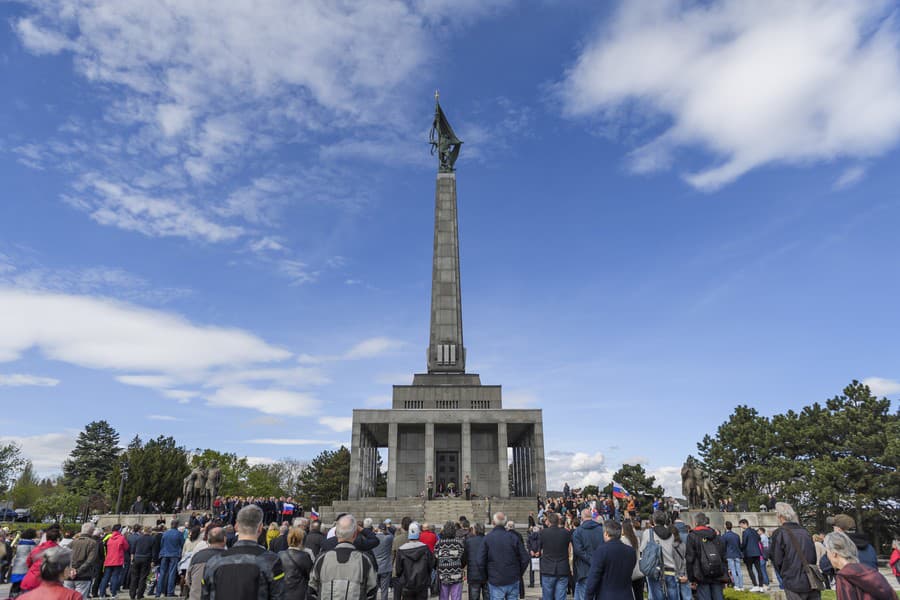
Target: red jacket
[(116, 546), (856, 581), (52, 590), (33, 577), (895, 562)]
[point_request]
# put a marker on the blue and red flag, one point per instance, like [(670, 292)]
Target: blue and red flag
[(619, 491)]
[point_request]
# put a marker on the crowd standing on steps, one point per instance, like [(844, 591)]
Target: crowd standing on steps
[(583, 547)]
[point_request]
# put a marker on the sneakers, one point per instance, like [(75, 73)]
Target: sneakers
[(756, 589)]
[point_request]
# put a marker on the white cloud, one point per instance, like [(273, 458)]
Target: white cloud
[(105, 334), (268, 401), (163, 418), (669, 477), (751, 83), (293, 442), (578, 469), (373, 347), (851, 176), (882, 387), (24, 379), (338, 424), (46, 451)]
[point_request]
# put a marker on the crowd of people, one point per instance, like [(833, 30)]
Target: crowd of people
[(596, 556), (226, 508)]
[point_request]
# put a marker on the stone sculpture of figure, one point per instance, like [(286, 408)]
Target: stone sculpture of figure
[(213, 481), (429, 486), (188, 489), (443, 140), (696, 484), (200, 486), (688, 484)]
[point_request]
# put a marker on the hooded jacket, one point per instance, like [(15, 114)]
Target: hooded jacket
[(702, 535), (585, 539), (116, 547), (33, 577), (857, 581), (413, 565)]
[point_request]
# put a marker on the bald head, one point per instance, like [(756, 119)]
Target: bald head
[(586, 514)]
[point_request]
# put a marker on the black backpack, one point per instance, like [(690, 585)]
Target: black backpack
[(712, 566)]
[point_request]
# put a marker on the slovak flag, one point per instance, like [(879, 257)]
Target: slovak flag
[(619, 491), (313, 514)]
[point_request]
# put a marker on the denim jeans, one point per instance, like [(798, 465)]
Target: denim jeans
[(554, 588), (765, 574), (709, 591), (686, 592), (672, 588), (168, 574), (580, 588), (384, 585), (82, 586), (504, 592), (737, 576), (112, 577)]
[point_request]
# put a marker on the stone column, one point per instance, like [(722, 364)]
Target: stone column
[(355, 460), (465, 459), (393, 443), (517, 470), (429, 457), (502, 460), (540, 472)]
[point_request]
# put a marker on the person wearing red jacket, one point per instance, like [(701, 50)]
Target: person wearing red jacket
[(113, 565), (854, 580), (33, 577), (894, 560), (55, 568), (428, 537)]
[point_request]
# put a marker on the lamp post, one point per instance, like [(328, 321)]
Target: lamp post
[(124, 474)]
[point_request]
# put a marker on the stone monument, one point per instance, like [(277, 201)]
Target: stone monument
[(447, 434)]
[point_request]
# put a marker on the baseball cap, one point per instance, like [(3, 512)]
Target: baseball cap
[(845, 522), (414, 531)]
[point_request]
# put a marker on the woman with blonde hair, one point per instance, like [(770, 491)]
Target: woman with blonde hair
[(297, 562)]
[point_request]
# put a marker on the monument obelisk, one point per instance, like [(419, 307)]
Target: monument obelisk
[(447, 432)]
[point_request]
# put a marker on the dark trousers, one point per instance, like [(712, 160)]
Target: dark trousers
[(415, 594), (637, 587), (478, 590), (140, 570), (752, 563)]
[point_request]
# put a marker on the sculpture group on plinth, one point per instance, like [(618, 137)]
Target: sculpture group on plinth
[(696, 484), (201, 486)]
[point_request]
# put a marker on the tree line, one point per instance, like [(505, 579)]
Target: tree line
[(97, 467), (836, 457)]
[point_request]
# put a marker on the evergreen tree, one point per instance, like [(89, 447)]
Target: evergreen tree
[(156, 471), (642, 487), (27, 488), (325, 479), (93, 459)]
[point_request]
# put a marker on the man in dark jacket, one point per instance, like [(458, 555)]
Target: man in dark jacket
[(476, 571), (865, 550), (750, 549), (792, 549), (85, 560), (585, 539), (280, 543), (505, 559), (194, 575), (414, 565), (142, 558), (705, 559), (732, 544), (612, 563), (533, 545), (555, 542), (314, 538)]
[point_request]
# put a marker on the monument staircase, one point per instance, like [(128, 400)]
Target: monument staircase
[(437, 511)]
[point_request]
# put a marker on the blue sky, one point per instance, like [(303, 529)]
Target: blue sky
[(216, 220)]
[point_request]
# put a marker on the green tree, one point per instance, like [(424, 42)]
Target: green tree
[(264, 480), (642, 487), (325, 478), (27, 488), (156, 471), (591, 490), (62, 506), (93, 459), (10, 462)]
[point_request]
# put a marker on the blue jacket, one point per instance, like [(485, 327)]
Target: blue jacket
[(586, 538), (477, 571), (750, 543), (171, 543), (732, 544), (503, 554), (610, 575)]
